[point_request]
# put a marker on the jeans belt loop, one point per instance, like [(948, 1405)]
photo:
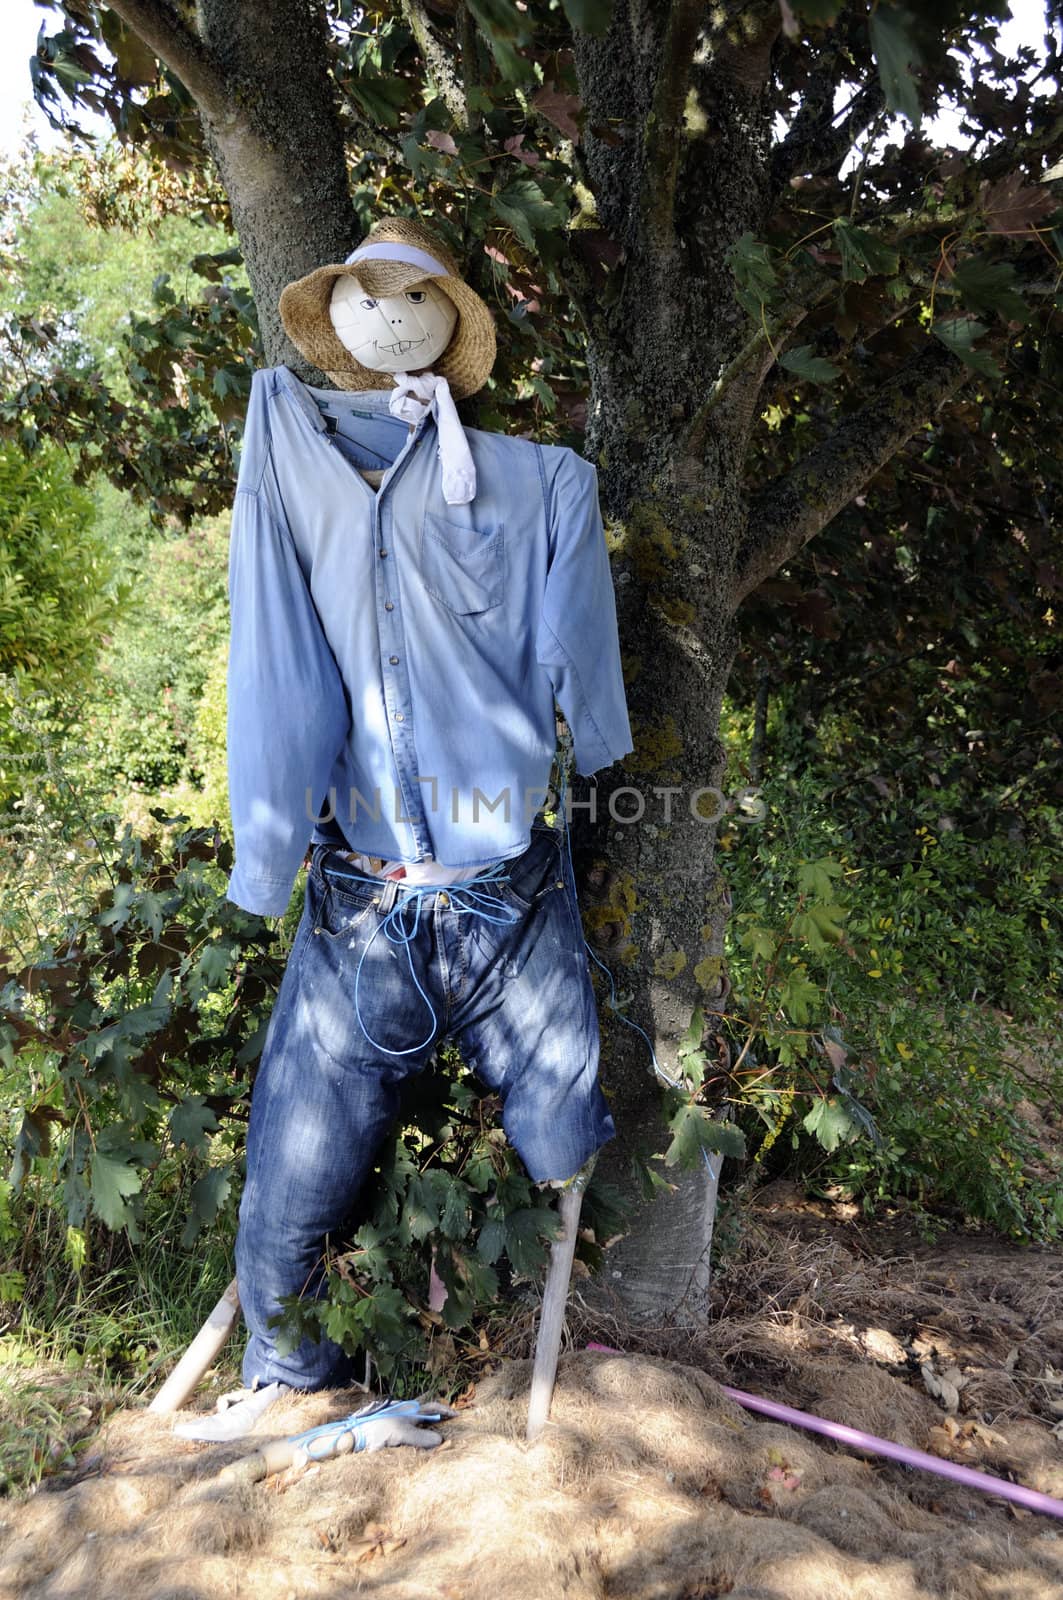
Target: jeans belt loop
[(389, 896)]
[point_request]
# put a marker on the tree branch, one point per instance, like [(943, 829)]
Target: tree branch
[(664, 124), (467, 35), (747, 369), (169, 38), (442, 67), (794, 507), (814, 145)]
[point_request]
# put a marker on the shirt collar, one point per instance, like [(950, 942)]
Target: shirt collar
[(304, 397)]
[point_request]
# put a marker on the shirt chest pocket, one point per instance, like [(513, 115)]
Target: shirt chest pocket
[(462, 567)]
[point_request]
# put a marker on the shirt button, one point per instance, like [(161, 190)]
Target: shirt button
[(399, 717), (389, 605), (394, 660), (383, 553)]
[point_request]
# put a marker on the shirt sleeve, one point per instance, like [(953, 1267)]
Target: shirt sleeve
[(287, 716), (576, 641)]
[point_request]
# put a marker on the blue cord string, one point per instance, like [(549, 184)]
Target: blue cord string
[(464, 899)]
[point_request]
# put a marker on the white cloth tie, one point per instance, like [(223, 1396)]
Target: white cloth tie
[(413, 395)]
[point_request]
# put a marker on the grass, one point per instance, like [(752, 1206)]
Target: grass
[(47, 1416), (79, 1346)]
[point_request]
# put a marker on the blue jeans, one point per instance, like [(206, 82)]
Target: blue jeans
[(511, 987)]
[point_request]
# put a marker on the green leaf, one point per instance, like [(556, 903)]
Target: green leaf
[(425, 1197), (863, 255), (606, 1208), (208, 1194), (117, 914), (372, 1253), (525, 1234), (647, 1178), (526, 209), (381, 99), (754, 272), (481, 1284), (804, 364), (34, 1139), (691, 1040), (692, 1067), (12, 1286), (895, 53), (815, 877), (831, 1123), (385, 1316), (959, 334), (491, 1239), (989, 286), (504, 28), (420, 160), (150, 910), (694, 1129), (588, 16), (191, 1122), (112, 1182), (760, 942), (799, 995), (211, 971), (454, 1221), (544, 391)]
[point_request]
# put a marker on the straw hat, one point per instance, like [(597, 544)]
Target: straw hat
[(304, 307)]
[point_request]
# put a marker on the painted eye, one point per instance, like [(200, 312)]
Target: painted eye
[(367, 305), (416, 297)]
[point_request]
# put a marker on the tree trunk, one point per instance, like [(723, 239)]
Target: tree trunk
[(279, 149), (679, 505)]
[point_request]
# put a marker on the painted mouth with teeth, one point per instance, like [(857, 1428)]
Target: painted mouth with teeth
[(400, 347)]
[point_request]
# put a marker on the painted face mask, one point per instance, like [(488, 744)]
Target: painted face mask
[(395, 333)]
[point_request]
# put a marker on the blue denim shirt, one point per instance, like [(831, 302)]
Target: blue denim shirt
[(394, 660)]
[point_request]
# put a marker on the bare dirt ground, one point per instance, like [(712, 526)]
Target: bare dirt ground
[(649, 1483)]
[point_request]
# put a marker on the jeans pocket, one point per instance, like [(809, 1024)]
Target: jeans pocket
[(536, 873), (462, 566), (338, 912)]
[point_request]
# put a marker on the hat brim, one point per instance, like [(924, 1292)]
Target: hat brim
[(304, 309)]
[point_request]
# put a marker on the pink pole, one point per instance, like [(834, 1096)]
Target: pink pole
[(1032, 1499)]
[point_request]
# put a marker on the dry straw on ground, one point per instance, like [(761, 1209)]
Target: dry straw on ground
[(649, 1483)]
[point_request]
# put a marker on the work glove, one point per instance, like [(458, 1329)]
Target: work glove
[(376, 1426), (236, 1415)]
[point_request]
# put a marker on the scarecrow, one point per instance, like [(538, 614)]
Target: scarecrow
[(411, 600)]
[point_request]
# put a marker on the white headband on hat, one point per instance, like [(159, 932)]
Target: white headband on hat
[(398, 252), (416, 394)]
